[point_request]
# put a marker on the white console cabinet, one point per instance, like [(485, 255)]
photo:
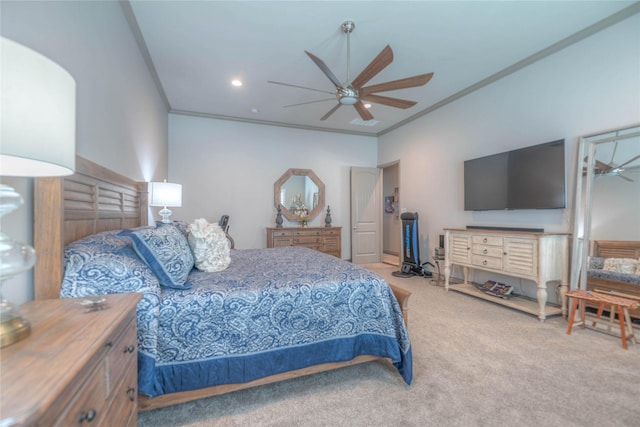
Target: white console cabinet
[(540, 257)]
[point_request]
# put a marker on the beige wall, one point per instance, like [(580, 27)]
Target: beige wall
[(228, 167), (588, 87), (121, 118)]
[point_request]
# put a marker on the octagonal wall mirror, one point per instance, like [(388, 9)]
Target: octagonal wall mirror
[(298, 191)]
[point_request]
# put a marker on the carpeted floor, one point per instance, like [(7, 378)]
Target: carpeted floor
[(475, 364)]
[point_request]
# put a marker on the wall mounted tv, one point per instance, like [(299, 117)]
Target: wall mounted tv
[(527, 178)]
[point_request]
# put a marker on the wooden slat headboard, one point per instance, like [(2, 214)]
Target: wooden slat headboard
[(615, 249), (66, 209)]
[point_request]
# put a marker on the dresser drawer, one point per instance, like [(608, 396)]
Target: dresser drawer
[(282, 233), (122, 355), (328, 231), (487, 240), (90, 405), (487, 262), (486, 250), (124, 407), (307, 233), (304, 240)]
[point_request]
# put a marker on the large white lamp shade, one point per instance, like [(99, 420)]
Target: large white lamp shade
[(38, 118)]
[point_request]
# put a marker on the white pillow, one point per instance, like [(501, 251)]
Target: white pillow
[(209, 245), (621, 265)]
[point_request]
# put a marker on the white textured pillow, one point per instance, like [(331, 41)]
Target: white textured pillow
[(209, 246), (621, 265)]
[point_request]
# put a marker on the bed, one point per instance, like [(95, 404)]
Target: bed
[(261, 295), (625, 284)]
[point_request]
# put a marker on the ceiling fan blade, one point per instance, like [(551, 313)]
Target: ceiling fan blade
[(363, 111), (414, 81), (310, 102), (330, 112), (624, 177), (301, 87), (391, 102), (629, 161), (327, 72), (602, 167), (384, 58)]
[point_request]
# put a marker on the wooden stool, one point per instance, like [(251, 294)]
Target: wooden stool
[(619, 305)]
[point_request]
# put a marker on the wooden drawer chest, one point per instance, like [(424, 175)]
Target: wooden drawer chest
[(78, 367), (323, 239)]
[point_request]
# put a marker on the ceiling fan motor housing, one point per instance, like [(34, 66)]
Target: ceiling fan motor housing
[(347, 95)]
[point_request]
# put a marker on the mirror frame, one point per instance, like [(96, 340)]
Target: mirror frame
[(298, 172), (582, 208)]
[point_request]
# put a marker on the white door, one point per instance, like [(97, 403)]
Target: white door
[(366, 215)]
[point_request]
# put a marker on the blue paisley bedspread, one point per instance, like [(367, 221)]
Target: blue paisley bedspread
[(271, 311)]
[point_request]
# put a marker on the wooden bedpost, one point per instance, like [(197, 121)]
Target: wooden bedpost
[(48, 235)]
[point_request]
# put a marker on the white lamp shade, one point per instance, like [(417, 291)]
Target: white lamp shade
[(165, 194), (38, 121)]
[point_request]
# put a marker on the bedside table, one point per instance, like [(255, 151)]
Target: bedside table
[(78, 365)]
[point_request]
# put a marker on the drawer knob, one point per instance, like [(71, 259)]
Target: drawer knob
[(484, 262), (129, 349), (484, 251), (131, 393), (88, 416), (484, 240)]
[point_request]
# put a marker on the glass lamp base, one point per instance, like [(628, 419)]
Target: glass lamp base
[(15, 258), (165, 214), (13, 327)]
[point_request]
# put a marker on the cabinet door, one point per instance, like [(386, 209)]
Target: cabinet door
[(459, 249), (520, 256)]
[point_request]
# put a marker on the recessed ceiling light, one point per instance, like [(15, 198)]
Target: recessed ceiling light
[(236, 82), (255, 110), (367, 105)]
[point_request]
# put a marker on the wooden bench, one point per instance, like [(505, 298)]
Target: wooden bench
[(618, 304)]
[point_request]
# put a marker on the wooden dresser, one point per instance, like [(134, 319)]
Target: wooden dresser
[(539, 257), (323, 239), (77, 367)]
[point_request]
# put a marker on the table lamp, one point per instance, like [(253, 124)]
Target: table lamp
[(37, 138), (166, 194)]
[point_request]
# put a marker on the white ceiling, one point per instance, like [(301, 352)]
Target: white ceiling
[(198, 47)]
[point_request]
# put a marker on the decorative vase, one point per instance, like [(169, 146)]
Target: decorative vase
[(279, 217), (327, 219)]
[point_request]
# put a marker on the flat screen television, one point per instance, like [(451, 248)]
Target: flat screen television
[(526, 178)]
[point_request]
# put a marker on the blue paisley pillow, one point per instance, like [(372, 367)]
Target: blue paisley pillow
[(180, 225), (104, 264), (166, 251)]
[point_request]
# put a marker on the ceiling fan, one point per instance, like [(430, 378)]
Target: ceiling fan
[(354, 92), (611, 169)]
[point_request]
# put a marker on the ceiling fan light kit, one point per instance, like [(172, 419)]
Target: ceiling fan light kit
[(353, 92)]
